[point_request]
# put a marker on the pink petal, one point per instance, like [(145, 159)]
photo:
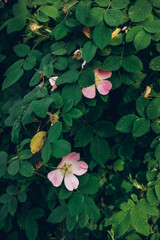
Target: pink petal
[(56, 177), (52, 81), (70, 158), (79, 168), (71, 182), (102, 74), (104, 87), (89, 92)]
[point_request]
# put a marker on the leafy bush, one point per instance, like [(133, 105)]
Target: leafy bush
[(80, 82)]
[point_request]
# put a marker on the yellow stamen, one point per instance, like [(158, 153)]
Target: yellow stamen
[(66, 169), (98, 80)]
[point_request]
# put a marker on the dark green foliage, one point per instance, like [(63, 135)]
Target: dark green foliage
[(116, 134)]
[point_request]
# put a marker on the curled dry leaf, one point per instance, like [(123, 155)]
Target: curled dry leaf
[(37, 142)]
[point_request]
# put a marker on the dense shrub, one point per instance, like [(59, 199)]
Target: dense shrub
[(80, 82)]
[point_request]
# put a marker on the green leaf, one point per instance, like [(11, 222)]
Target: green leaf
[(87, 78), (26, 169), (139, 221), (61, 148), (22, 196), (118, 165), (75, 203), (55, 131), (16, 24), (141, 105), (104, 129), (67, 119), (113, 17), (119, 4), (156, 3), (140, 127), (151, 198), (5, 198), (82, 11), (155, 64), (157, 152), (102, 35), (25, 154), (13, 167), (73, 92), (152, 27), (64, 193), (157, 190), (132, 33), (12, 189), (112, 63), (60, 63), (46, 151), (132, 64), (75, 113), (142, 40), (125, 124), (3, 212), (50, 11), (36, 213), (35, 79), (70, 76), (91, 186), (88, 51), (91, 209), (83, 136), (21, 50), (71, 222), (18, 64), (12, 206), (59, 48), (95, 16), (83, 219), (57, 215), (140, 10), (29, 63), (100, 150), (60, 31), (31, 228), (37, 108), (12, 77), (16, 130), (153, 109), (102, 3), (121, 228), (48, 70)]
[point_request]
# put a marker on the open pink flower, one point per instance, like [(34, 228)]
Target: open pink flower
[(69, 166), (103, 86)]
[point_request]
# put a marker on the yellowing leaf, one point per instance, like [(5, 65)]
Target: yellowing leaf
[(37, 142), (115, 33), (147, 92), (86, 31)]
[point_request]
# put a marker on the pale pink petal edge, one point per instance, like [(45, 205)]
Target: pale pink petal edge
[(79, 168), (89, 92), (56, 177), (104, 87), (71, 182)]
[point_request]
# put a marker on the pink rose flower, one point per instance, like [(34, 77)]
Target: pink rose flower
[(103, 86), (69, 166)]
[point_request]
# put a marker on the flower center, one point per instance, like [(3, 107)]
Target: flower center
[(98, 80), (66, 169)]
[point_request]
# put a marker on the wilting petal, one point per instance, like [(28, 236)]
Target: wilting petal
[(56, 177), (102, 74), (89, 92), (71, 182), (79, 168), (70, 158), (104, 87), (52, 81)]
